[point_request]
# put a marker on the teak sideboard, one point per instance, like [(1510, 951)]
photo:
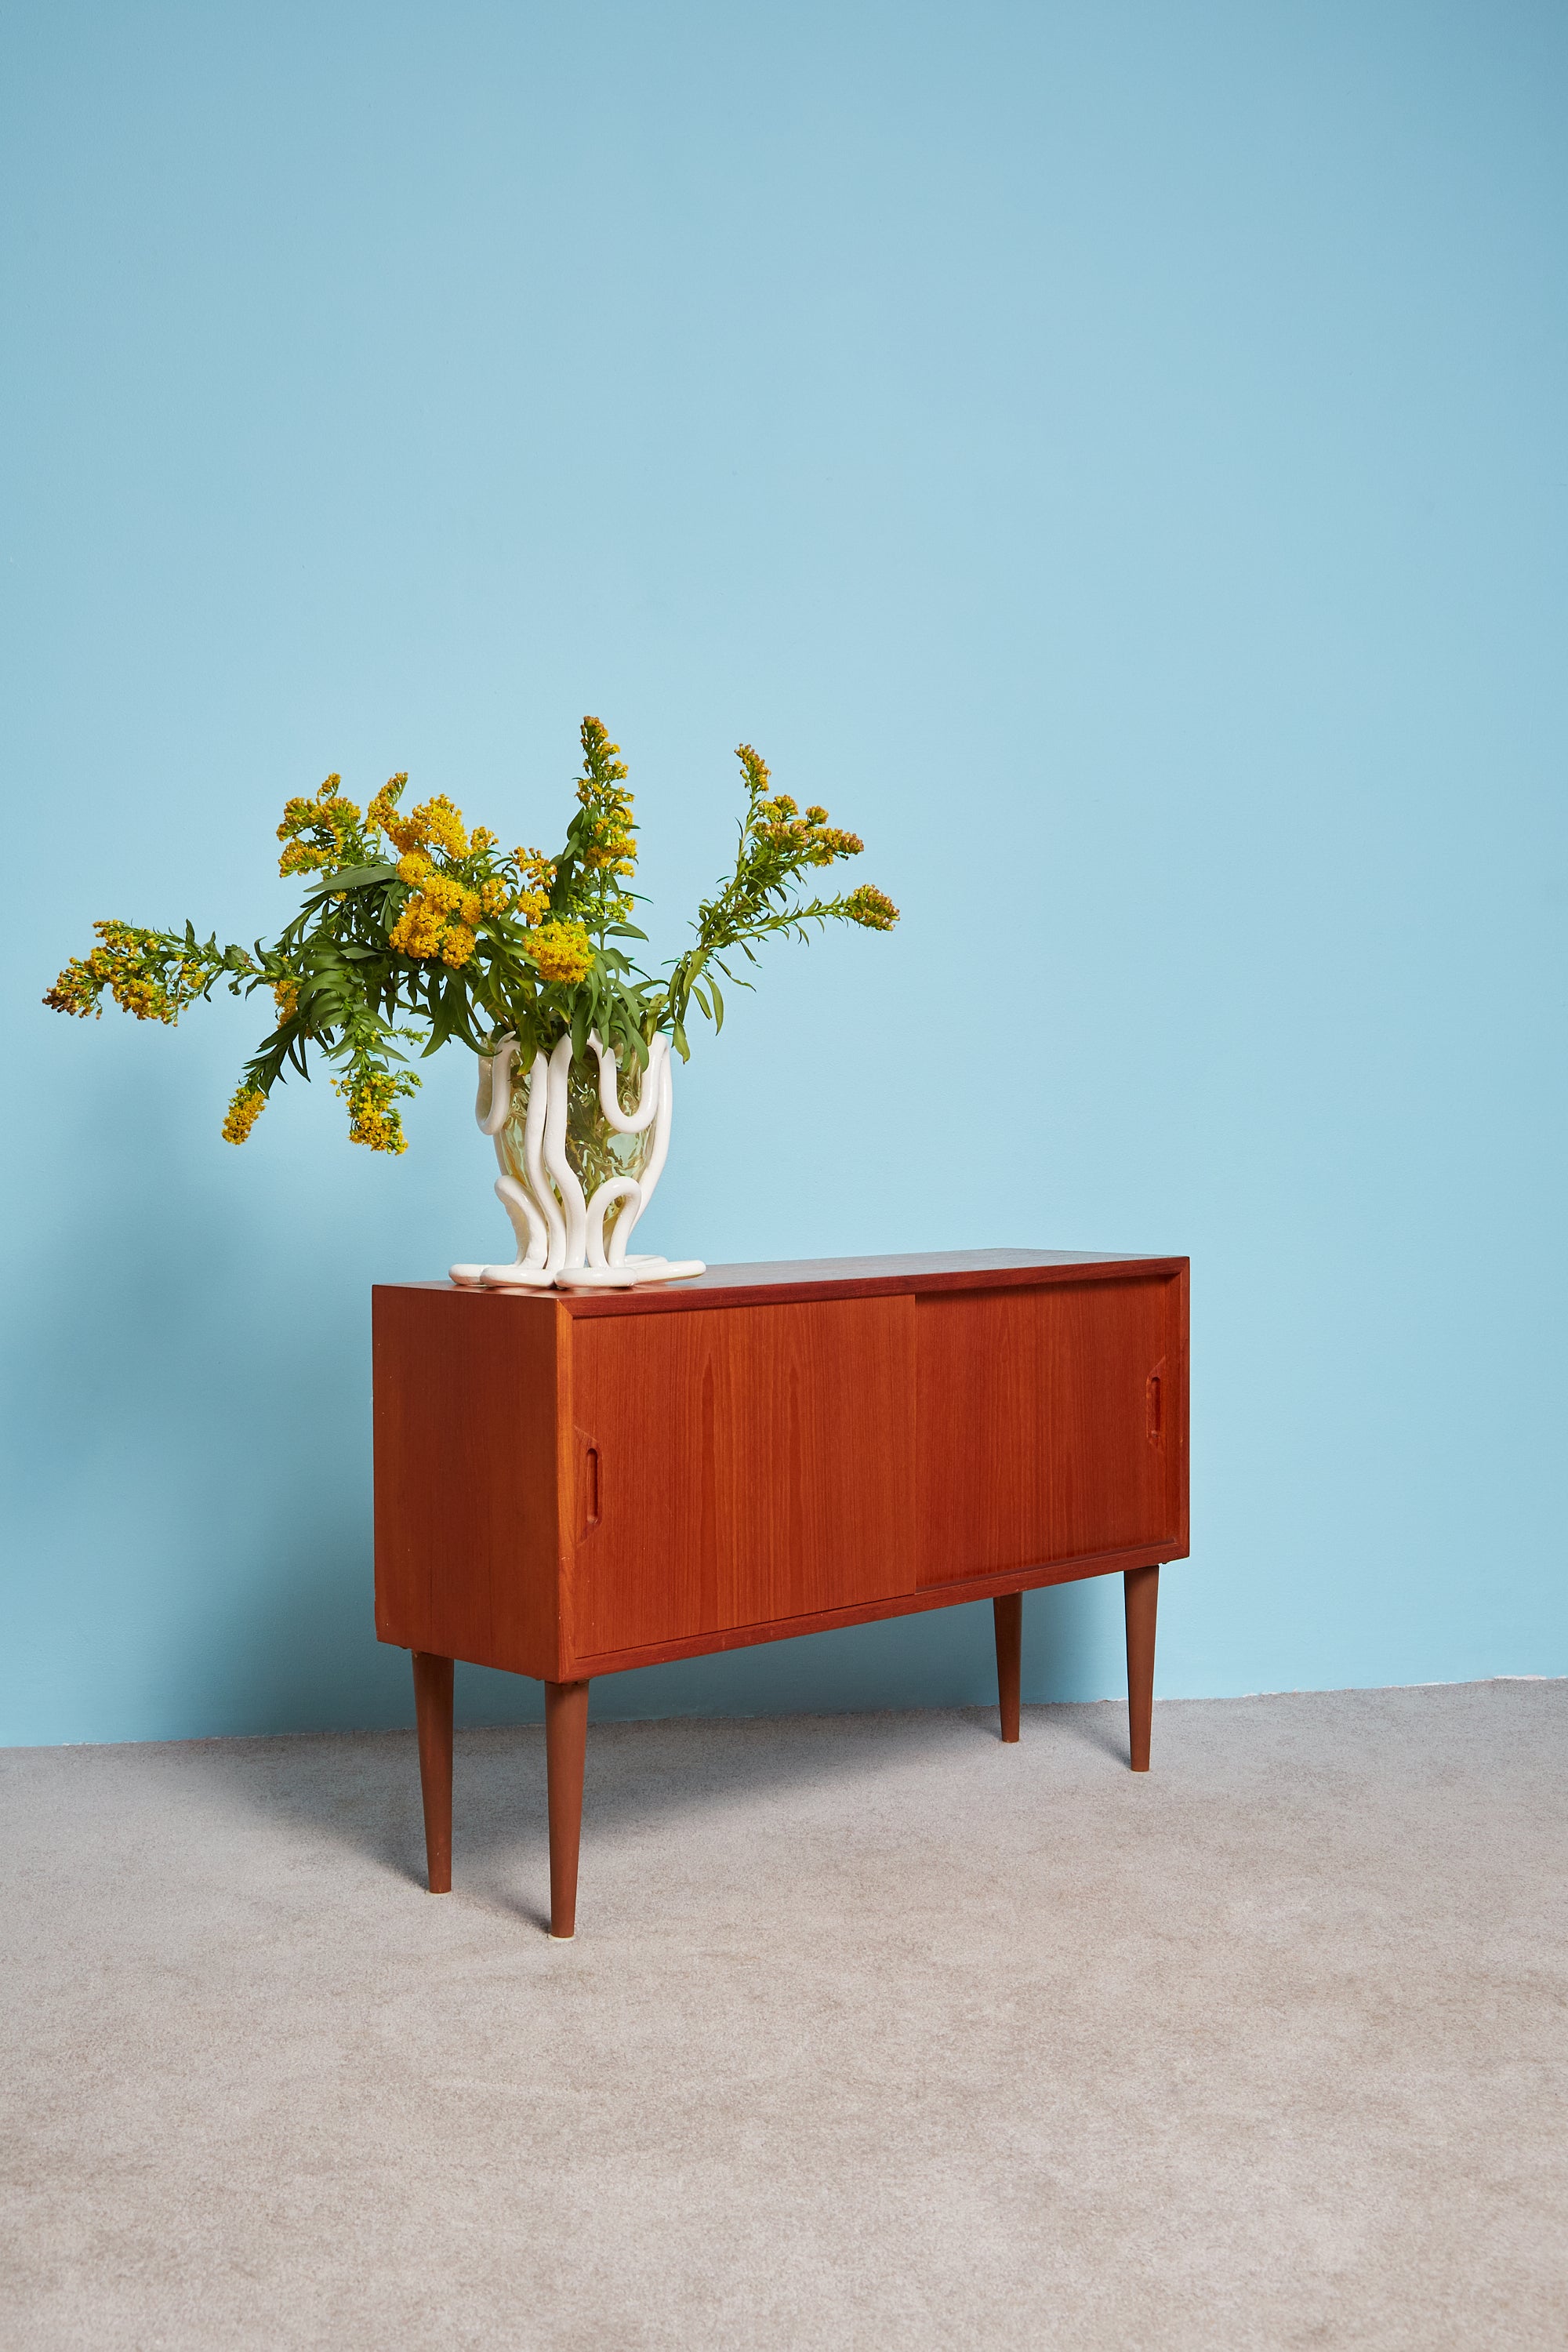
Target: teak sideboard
[(568, 1484)]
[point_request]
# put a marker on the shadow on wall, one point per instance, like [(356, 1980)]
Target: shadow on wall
[(312, 1661)]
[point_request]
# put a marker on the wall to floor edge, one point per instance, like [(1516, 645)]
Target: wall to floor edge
[(1113, 464)]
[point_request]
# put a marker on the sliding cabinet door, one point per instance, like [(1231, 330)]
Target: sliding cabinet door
[(739, 1466), (1052, 1424)]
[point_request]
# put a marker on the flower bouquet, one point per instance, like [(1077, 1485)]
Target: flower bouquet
[(416, 929)]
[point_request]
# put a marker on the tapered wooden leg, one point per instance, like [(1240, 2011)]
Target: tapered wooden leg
[(1142, 1600), (565, 1743), (433, 1712), (1008, 1608)]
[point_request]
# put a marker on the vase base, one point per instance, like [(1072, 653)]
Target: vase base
[(500, 1278), (629, 1276)]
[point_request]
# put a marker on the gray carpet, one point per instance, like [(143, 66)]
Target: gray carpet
[(875, 2033)]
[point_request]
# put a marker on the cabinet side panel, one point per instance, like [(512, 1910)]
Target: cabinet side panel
[(1177, 1459), (466, 1552), (1048, 1423), (739, 1466)]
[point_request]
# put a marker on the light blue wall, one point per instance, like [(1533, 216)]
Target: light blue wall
[(1111, 453)]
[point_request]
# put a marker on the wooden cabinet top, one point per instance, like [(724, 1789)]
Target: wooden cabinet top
[(799, 1279)]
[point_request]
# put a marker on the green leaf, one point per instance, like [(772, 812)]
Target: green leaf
[(352, 877)]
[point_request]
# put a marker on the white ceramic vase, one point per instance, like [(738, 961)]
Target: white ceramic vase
[(577, 1166)]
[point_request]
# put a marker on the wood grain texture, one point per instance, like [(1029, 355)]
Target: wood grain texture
[(466, 1517), (1051, 1424), (577, 1484), (565, 1751), (433, 1716), (483, 1444), (741, 1466), (1009, 1610), (870, 1612), (1142, 1597)]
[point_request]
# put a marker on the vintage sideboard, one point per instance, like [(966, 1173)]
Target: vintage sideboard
[(571, 1483)]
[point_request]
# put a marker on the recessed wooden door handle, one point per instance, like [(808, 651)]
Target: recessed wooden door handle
[(591, 1489), (1155, 1424)]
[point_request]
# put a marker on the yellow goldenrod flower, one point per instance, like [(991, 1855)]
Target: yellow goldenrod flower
[(381, 815), (871, 907), (298, 812), (443, 825), (149, 975), (374, 1119), (609, 845), (418, 929), (563, 952), (830, 841), (320, 833), (246, 1108), (518, 935), (754, 767), (404, 833), (77, 990)]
